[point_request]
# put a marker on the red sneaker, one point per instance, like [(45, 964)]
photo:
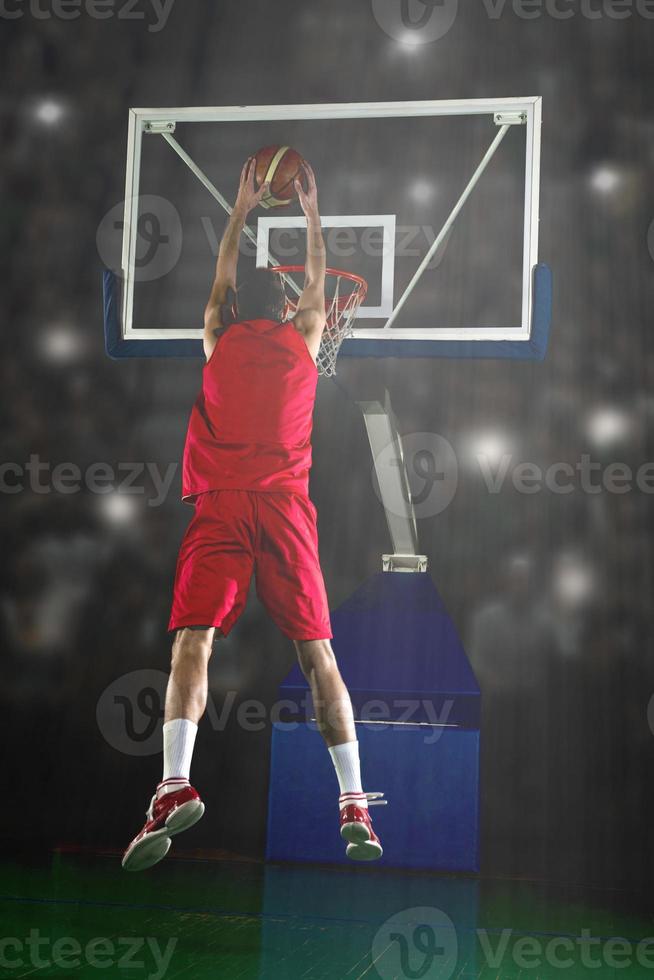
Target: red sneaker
[(168, 815), (356, 827)]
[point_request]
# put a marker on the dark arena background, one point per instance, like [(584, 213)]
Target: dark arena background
[(542, 554)]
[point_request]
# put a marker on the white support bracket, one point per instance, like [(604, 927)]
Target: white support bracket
[(394, 488), (404, 563), (159, 126), (510, 118)]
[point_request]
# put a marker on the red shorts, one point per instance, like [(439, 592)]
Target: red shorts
[(234, 533)]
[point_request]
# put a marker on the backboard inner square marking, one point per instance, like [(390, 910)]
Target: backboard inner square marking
[(384, 221)]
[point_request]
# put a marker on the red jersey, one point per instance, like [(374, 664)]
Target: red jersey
[(250, 428)]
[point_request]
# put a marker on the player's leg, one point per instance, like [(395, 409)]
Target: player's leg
[(335, 720), (211, 584), (213, 575), (331, 700), (186, 694), (176, 805), (291, 587), (186, 700)]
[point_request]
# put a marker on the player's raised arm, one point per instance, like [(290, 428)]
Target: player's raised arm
[(310, 318), (223, 290)]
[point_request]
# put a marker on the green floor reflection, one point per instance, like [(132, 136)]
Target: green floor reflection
[(82, 917)]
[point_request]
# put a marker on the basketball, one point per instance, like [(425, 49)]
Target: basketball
[(278, 165)]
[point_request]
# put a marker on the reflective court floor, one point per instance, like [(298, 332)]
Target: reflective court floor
[(81, 916)]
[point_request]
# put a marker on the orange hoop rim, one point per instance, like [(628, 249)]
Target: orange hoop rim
[(359, 291)]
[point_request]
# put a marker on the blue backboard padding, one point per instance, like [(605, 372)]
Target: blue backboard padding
[(533, 349), (432, 818), (394, 640)]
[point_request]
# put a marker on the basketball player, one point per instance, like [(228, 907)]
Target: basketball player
[(246, 468)]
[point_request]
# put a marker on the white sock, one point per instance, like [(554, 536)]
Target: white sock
[(348, 771), (178, 742)]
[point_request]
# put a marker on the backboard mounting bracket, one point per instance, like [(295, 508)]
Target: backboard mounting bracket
[(159, 126), (404, 563), (394, 488), (510, 118)]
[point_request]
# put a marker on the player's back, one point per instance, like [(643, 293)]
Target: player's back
[(251, 425), (260, 383)]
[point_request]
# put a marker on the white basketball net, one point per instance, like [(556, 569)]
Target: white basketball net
[(341, 309), (340, 317)]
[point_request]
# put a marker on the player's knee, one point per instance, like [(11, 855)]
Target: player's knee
[(190, 644), (315, 655)]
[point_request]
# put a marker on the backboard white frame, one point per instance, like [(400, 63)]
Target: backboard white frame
[(149, 120)]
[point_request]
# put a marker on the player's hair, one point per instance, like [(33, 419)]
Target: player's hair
[(261, 297)]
